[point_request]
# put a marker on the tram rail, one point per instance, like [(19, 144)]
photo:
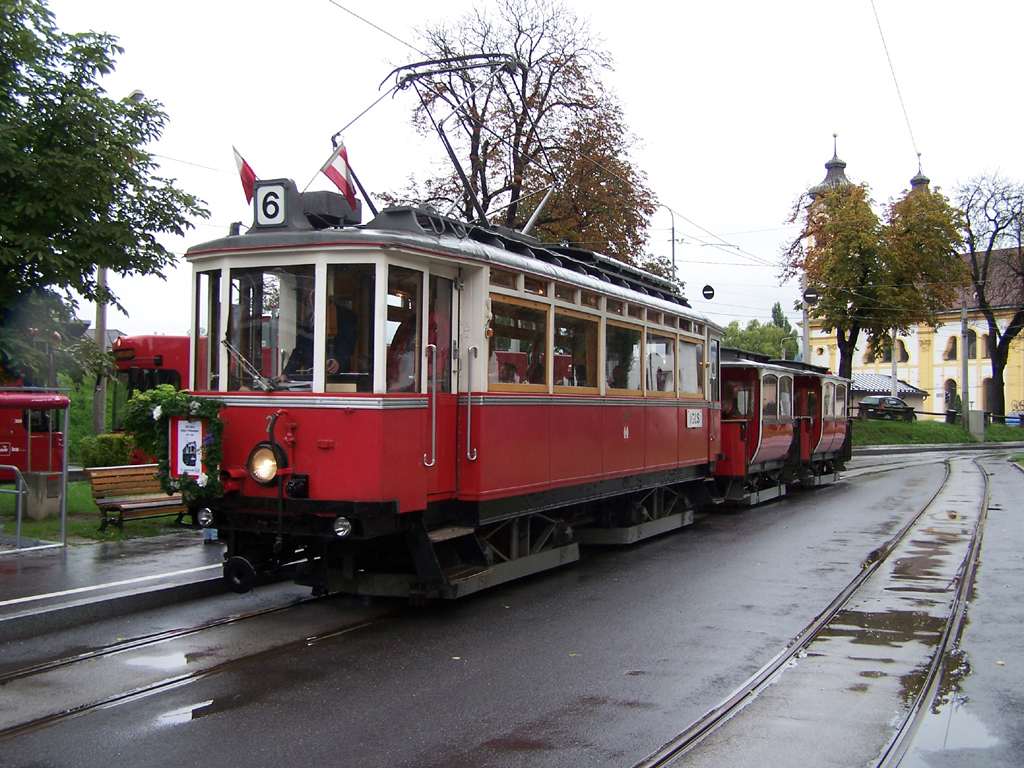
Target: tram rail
[(31, 673), (688, 739)]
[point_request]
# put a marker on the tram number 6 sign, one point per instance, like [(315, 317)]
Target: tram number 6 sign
[(270, 203)]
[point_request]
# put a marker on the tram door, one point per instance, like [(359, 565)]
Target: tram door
[(442, 399)]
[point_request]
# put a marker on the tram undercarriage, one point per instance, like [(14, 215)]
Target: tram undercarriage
[(450, 560)]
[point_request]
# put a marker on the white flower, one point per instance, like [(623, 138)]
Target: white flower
[(193, 407), (201, 480), (156, 413)]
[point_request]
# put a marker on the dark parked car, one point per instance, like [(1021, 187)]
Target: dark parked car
[(885, 407)]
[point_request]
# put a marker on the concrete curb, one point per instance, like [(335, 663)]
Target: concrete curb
[(36, 621), (876, 450)]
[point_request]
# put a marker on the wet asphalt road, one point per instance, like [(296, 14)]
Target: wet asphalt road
[(596, 664)]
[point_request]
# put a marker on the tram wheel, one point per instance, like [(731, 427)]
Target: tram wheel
[(239, 575)]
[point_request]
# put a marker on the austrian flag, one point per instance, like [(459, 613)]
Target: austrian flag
[(248, 177), (336, 169)]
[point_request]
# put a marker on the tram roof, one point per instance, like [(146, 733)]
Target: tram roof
[(422, 228), (733, 357)]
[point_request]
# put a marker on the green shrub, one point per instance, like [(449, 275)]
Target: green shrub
[(110, 450)]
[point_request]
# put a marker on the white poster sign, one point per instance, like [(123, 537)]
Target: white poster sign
[(188, 457)]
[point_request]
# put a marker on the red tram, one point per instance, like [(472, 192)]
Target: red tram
[(436, 407), (143, 362)]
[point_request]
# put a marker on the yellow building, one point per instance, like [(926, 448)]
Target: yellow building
[(930, 359)]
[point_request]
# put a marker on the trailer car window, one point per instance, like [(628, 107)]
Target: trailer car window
[(785, 396), (770, 396), (828, 399), (841, 401)]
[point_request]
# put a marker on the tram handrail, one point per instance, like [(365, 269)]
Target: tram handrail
[(433, 407), (470, 451)]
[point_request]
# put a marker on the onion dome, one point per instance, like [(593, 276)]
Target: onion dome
[(835, 173), (920, 181)]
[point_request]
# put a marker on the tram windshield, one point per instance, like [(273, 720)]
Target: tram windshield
[(276, 330)]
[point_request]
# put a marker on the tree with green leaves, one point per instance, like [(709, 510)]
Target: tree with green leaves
[(776, 339), (544, 123), (874, 275), (993, 229), (80, 190)]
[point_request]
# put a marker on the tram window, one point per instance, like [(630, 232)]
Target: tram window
[(36, 421), (439, 332), (591, 300), (271, 319), (739, 400), (841, 401), (207, 320), (785, 396), (828, 396), (770, 396), (713, 369), (518, 343), (349, 328), (634, 311), (534, 286), (691, 364), (623, 349), (402, 334), (614, 307), (565, 293), (660, 356), (503, 279), (575, 357)]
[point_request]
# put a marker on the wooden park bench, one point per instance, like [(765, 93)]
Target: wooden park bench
[(131, 493)]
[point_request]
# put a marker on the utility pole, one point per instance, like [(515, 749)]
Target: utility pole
[(99, 394), (894, 347), (965, 391)]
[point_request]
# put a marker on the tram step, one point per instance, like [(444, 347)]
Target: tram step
[(464, 572), (449, 532)]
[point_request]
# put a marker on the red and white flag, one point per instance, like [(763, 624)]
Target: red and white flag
[(336, 169), (248, 177)]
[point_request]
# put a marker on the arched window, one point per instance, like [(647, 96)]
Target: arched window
[(972, 344), (988, 347), (950, 392), (988, 395), (950, 353)]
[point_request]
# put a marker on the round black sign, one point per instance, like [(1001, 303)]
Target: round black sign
[(709, 292), (811, 296)]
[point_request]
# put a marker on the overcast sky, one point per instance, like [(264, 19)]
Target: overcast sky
[(734, 104)]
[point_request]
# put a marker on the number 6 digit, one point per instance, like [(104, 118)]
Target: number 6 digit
[(271, 207)]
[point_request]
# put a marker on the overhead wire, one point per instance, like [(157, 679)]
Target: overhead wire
[(892, 69)]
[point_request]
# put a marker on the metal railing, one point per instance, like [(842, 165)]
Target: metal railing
[(21, 487)]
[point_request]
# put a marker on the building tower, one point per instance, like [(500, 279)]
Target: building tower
[(835, 177)]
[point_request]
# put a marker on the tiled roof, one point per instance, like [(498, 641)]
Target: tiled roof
[(880, 384)]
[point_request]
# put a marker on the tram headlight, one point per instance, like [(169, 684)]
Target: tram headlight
[(204, 517), (342, 527), (264, 462)]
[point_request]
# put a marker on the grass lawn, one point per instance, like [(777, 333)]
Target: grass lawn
[(879, 432), (83, 520)]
